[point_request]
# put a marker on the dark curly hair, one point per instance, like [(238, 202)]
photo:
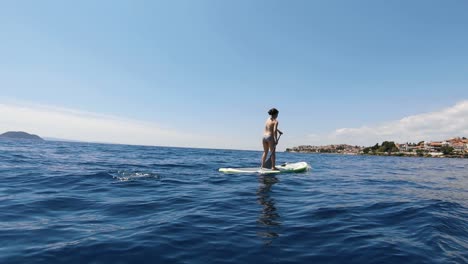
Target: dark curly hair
[(273, 111)]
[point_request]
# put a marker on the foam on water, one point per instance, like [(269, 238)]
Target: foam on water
[(132, 175)]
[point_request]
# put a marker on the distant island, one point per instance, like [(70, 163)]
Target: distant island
[(20, 135), (451, 148)]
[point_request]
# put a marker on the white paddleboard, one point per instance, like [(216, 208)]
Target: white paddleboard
[(284, 168)]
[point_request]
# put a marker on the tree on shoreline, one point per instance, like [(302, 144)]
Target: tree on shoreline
[(389, 147), (447, 150)]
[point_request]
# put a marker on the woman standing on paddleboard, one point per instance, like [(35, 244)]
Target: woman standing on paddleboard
[(270, 137)]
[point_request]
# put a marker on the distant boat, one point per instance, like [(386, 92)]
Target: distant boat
[(20, 135)]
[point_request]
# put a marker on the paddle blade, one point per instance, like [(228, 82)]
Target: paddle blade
[(267, 163)]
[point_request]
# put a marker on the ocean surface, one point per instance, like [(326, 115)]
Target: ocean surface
[(63, 202)]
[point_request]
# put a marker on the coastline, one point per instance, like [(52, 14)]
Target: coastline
[(456, 147), (398, 154)]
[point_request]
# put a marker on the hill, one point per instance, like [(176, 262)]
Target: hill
[(20, 135)]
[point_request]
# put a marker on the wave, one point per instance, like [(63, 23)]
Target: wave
[(80, 203)]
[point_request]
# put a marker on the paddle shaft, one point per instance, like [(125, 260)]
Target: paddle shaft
[(268, 163), (279, 138)]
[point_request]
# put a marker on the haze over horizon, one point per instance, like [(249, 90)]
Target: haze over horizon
[(205, 73)]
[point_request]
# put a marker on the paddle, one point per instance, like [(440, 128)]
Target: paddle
[(268, 162)]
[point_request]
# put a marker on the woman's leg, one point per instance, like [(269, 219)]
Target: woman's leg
[(265, 152), (272, 147)]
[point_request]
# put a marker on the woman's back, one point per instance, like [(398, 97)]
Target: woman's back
[(270, 126)]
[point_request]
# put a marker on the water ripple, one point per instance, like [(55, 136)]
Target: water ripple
[(101, 203)]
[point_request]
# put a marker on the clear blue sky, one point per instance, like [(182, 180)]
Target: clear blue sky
[(218, 66)]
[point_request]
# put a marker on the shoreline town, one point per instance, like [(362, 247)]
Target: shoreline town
[(451, 148)]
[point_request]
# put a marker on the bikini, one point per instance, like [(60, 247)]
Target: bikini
[(268, 138)]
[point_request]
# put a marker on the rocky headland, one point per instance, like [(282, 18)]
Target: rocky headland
[(20, 135)]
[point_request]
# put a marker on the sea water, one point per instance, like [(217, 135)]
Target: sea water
[(63, 202)]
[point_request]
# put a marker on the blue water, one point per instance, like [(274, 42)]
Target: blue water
[(97, 203)]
